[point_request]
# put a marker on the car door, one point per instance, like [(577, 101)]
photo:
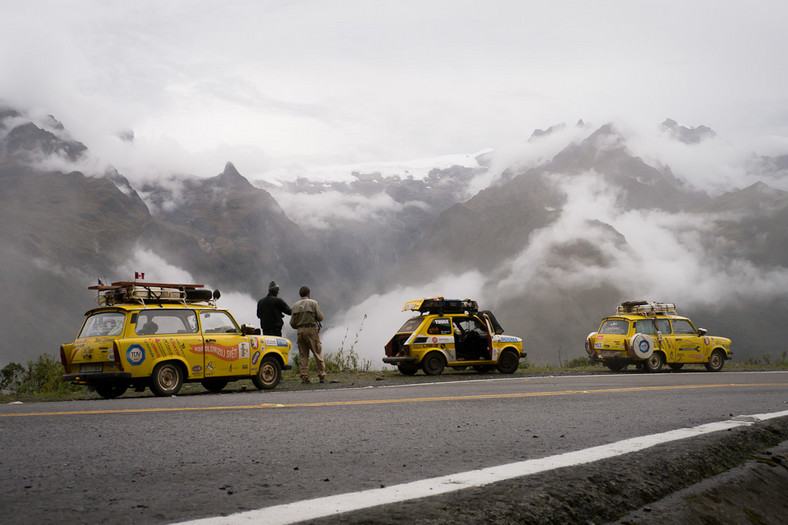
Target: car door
[(688, 344), (659, 330), (227, 350), (161, 333)]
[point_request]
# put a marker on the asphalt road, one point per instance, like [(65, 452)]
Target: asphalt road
[(162, 460)]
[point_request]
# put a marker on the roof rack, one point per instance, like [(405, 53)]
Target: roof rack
[(646, 307), (439, 305), (135, 292)]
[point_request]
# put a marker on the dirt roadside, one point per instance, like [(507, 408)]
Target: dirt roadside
[(730, 477)]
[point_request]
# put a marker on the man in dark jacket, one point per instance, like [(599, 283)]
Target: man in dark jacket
[(271, 310)]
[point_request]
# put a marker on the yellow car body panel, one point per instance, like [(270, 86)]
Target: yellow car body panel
[(460, 334), (112, 346), (632, 338)]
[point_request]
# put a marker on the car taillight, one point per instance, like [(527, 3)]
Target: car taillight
[(63, 359), (116, 352)]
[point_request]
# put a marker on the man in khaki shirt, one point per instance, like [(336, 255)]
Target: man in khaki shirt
[(305, 318)]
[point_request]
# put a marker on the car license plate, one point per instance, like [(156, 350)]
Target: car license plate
[(92, 367), (610, 353)]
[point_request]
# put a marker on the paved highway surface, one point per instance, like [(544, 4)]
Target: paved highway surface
[(163, 460)]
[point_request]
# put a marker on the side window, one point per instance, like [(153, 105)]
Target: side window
[(156, 322), (646, 326), (217, 322), (469, 324), (440, 327), (683, 327)]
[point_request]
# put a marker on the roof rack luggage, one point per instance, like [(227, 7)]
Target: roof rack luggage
[(439, 305), (136, 292), (646, 307)]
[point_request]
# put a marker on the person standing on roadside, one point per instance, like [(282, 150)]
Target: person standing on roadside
[(271, 310), (306, 318)]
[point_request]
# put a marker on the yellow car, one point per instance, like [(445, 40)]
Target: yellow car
[(650, 335), (451, 332), (160, 335)]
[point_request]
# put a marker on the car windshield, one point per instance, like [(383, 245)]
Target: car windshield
[(106, 323), (614, 326), (411, 324)]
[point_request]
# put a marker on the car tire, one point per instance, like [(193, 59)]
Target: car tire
[(716, 361), (676, 366), (433, 363), (508, 362), (214, 385), (268, 375), (407, 370), (167, 379), (111, 390), (654, 363)]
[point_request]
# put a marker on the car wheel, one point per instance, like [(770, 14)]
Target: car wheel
[(508, 362), (616, 367), (407, 370), (167, 379), (268, 375), (676, 366), (716, 361), (214, 385), (654, 363), (111, 390), (433, 363)]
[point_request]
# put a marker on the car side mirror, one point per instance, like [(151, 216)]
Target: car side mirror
[(702, 331)]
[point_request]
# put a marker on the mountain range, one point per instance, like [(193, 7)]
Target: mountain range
[(552, 245)]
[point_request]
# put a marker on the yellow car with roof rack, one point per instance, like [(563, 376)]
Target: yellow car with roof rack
[(160, 335), (455, 333), (649, 335)]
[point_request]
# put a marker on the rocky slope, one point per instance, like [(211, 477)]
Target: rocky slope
[(553, 244)]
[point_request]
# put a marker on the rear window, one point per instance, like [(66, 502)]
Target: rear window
[(411, 324), (614, 326), (107, 323)]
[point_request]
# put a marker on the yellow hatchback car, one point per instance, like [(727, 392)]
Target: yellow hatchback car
[(650, 335), (455, 333), (160, 335)]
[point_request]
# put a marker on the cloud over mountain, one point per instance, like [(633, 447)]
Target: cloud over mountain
[(562, 228)]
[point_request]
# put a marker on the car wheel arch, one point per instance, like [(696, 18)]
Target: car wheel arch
[(426, 361)]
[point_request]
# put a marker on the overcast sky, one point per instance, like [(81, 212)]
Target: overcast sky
[(276, 84)]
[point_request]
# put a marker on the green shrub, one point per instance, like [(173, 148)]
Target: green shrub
[(43, 376)]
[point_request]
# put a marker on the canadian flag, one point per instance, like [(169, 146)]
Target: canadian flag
[(139, 275)]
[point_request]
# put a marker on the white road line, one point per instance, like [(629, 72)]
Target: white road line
[(333, 505)]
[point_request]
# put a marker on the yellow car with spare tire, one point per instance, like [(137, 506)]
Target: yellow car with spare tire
[(650, 335)]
